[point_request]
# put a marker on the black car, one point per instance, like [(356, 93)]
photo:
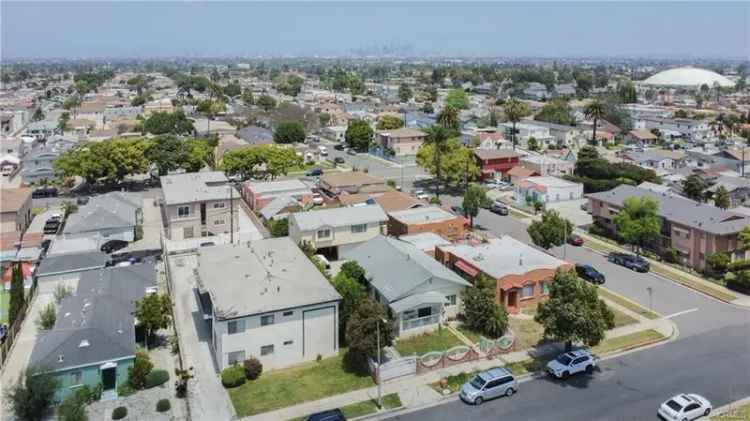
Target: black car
[(338, 160), (339, 146), (44, 192), (52, 226), (332, 415), (590, 274), (315, 172), (630, 261), (113, 245)]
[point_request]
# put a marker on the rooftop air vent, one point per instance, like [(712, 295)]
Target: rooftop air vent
[(84, 344)]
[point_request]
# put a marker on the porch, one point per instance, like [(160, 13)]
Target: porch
[(418, 314)]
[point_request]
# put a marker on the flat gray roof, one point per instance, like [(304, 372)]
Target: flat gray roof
[(338, 217), (259, 277), (195, 187), (422, 215)]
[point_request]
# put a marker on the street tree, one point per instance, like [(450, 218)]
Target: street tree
[(475, 198), (721, 198), (514, 111), (482, 313), (31, 398), (175, 123), (62, 122), (552, 230), (638, 221), (359, 135), (247, 97), (389, 122), (153, 312), (456, 162), (404, 93), (368, 318), (557, 111), (38, 114), (447, 118), (428, 108), (588, 152), (352, 293), (574, 312), (266, 102), (457, 98), (17, 298), (324, 119), (437, 136), (694, 186), (596, 111), (290, 131), (533, 144), (353, 270), (744, 238)]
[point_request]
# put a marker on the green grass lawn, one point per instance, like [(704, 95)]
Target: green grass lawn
[(455, 381), (630, 305), (4, 304), (439, 340), (470, 334), (528, 332), (628, 341), (622, 319), (740, 413), (291, 386), (367, 407)]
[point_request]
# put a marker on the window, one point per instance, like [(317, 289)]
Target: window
[(424, 312), (235, 326), (326, 233), (219, 205), (183, 211), (266, 320), (359, 228), (544, 287), (266, 350), (288, 313), (288, 342), (527, 291), (219, 222), (236, 357), (187, 232), (451, 299), (76, 378)]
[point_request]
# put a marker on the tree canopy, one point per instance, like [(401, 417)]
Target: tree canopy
[(557, 111), (404, 93), (289, 84), (389, 122), (261, 162), (110, 161), (482, 313), (361, 334), (694, 187), (551, 230), (475, 197), (638, 222), (600, 175), (359, 135), (168, 123), (266, 102), (457, 98), (153, 312), (289, 131), (32, 397), (721, 198), (352, 293), (456, 163)]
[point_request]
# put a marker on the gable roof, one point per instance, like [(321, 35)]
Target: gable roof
[(276, 205), (390, 201), (520, 171), (338, 217)]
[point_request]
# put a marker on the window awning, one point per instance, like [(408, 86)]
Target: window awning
[(467, 268)]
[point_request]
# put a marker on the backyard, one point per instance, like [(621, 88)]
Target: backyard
[(291, 386), (440, 340)]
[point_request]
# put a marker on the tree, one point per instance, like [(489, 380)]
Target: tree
[(247, 97), (493, 118), (389, 122), (17, 295), (289, 84), (165, 152), (455, 164), (232, 89), (368, 318), (266, 102), (551, 230), (289, 132), (352, 293), (533, 144), (693, 187), (324, 119), (744, 238), (475, 198), (428, 108), (33, 395), (721, 198), (437, 137), (448, 119), (574, 312), (353, 270), (38, 114), (457, 98), (266, 161), (404, 93), (482, 313), (588, 152), (718, 262), (71, 103), (47, 317), (62, 122), (138, 372), (557, 111), (626, 92), (153, 313), (175, 123), (279, 227), (514, 111), (638, 221), (359, 135), (595, 111), (196, 154)]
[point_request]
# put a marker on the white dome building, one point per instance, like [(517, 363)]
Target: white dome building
[(688, 77)]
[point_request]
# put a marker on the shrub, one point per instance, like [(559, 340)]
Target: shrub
[(74, 407), (739, 282), (435, 201), (61, 292), (391, 183), (253, 368), (119, 413), (718, 262), (47, 317), (125, 389), (163, 405), (156, 378), (233, 376), (671, 255), (139, 370)]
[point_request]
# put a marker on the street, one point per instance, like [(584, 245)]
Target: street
[(404, 175), (713, 344)]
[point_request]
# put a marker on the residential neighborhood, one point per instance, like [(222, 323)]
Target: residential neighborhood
[(381, 211)]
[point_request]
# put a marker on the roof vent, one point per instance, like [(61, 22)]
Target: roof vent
[(60, 358), (84, 344)]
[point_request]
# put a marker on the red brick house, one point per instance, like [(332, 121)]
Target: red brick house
[(495, 163)]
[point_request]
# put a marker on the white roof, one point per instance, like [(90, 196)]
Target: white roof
[(279, 187), (551, 182), (195, 187), (338, 217), (688, 76), (544, 159), (504, 256), (425, 241)]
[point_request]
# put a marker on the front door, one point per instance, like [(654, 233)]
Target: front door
[(512, 298), (109, 378)]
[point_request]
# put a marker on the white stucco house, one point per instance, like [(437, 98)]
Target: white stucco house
[(546, 190)]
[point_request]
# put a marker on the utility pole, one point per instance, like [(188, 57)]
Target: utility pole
[(380, 384), (231, 214)]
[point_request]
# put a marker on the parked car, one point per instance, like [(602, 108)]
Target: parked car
[(685, 407), (499, 208), (351, 151), (570, 363), (630, 261), (332, 415), (315, 172), (207, 244), (323, 150), (575, 240), (44, 192), (322, 259), (489, 384), (421, 195), (590, 274), (338, 160), (339, 147), (113, 245), (51, 228), (317, 199)]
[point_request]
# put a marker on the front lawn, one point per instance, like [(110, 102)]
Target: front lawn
[(622, 319), (306, 382), (528, 333), (470, 334), (439, 340)]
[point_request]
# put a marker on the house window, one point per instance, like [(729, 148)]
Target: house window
[(288, 313), (187, 232), (544, 287), (266, 320), (527, 291), (236, 357), (235, 326), (326, 233), (183, 211), (424, 312), (266, 350), (451, 299), (219, 222), (76, 378), (219, 205), (287, 343), (359, 228), (408, 315)]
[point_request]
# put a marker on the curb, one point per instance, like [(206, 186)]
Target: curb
[(379, 413), (723, 410)]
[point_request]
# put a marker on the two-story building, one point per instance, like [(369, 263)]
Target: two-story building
[(495, 163), (38, 164), (332, 231), (199, 204), (265, 299), (547, 165), (258, 194), (403, 141)]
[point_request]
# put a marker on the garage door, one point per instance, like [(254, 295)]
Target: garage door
[(320, 331)]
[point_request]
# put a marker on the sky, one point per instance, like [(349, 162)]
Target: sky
[(508, 29)]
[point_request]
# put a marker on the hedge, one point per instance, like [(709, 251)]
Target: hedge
[(119, 413), (233, 376), (163, 405), (156, 378)]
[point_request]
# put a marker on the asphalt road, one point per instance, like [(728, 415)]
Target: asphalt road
[(711, 356)]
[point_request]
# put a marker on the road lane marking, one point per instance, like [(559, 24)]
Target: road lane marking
[(680, 313)]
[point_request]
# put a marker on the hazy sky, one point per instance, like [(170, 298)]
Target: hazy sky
[(139, 29)]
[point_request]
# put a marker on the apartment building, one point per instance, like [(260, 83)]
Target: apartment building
[(495, 163), (403, 141), (547, 165)]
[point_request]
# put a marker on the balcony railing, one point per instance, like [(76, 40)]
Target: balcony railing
[(420, 322)]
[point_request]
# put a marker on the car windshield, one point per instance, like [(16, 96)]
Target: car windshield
[(564, 359), (674, 405), (477, 382)]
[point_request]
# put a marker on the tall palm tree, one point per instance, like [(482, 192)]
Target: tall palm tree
[(448, 118), (514, 110), (438, 137), (595, 111)]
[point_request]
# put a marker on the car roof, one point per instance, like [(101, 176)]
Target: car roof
[(494, 373), (578, 353), (583, 265)]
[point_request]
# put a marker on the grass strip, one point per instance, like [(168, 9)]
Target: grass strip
[(630, 305)]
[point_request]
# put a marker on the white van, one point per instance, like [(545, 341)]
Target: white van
[(323, 150)]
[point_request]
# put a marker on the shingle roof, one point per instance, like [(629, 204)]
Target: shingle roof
[(338, 217), (276, 205), (111, 210), (680, 210)]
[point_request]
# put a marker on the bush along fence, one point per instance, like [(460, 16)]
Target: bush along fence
[(15, 328)]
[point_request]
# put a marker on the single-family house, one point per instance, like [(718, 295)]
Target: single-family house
[(641, 137), (495, 163), (426, 219), (390, 201), (352, 182), (15, 209), (546, 190), (649, 159), (67, 268), (519, 173), (547, 165), (110, 216)]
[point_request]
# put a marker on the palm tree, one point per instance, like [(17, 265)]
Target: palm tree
[(448, 118), (595, 111), (437, 136), (514, 110)]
